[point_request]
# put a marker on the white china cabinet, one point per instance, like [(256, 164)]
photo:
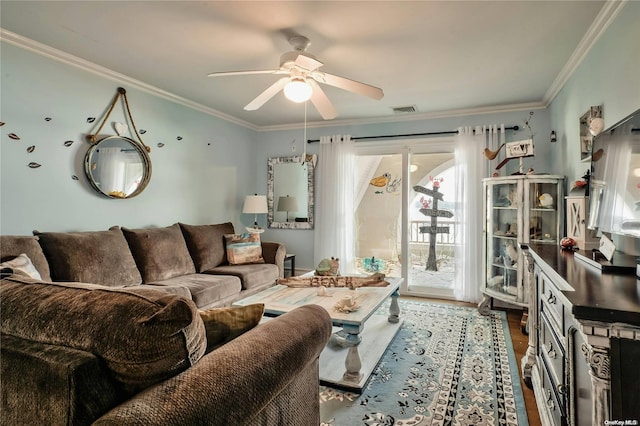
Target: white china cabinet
[(517, 210)]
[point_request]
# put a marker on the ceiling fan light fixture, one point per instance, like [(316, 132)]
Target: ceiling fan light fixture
[(297, 90)]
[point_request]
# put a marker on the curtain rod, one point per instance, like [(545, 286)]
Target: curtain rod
[(451, 132)]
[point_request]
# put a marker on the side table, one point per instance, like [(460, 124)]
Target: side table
[(291, 258)]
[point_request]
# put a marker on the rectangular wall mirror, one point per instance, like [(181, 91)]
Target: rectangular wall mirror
[(290, 193)]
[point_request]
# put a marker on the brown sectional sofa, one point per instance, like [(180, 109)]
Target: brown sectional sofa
[(131, 349), (187, 260)]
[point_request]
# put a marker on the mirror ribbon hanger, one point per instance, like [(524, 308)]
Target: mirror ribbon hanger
[(93, 137)]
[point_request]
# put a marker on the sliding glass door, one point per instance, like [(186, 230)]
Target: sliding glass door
[(432, 224), (378, 214), (405, 215)]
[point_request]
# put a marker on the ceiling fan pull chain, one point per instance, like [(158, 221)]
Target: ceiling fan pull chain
[(304, 141)]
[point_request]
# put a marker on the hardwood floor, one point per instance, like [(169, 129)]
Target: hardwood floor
[(520, 344)]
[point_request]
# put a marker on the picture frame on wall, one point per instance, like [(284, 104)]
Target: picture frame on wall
[(586, 138)]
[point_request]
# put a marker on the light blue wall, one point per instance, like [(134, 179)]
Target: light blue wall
[(278, 144), (195, 182), (608, 76), (200, 179)]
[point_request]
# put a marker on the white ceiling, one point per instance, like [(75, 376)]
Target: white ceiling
[(443, 57)]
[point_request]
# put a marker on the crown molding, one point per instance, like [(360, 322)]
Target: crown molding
[(604, 18), (606, 15), (74, 61), (402, 118)]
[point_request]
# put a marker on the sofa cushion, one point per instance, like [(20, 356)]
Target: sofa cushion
[(243, 249), (14, 245), (100, 257), (205, 289), (251, 276), (21, 265), (206, 244), (225, 324), (177, 290), (143, 339), (160, 253)]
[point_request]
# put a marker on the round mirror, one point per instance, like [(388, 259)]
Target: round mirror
[(117, 167)]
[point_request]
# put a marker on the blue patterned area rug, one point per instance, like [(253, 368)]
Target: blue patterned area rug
[(448, 365)]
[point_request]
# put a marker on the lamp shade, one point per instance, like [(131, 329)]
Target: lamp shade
[(255, 204), (297, 90), (287, 204)]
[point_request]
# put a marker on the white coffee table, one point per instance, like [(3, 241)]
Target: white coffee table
[(361, 337)]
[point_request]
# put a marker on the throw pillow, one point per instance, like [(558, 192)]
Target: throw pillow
[(206, 244), (225, 324), (243, 249), (21, 265), (99, 257), (160, 253), (13, 245)]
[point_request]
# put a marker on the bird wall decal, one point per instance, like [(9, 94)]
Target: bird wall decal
[(381, 180)]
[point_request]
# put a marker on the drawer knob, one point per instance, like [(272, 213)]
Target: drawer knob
[(561, 388), (551, 298), (550, 404), (551, 352)]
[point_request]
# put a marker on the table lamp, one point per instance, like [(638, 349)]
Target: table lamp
[(287, 204), (256, 204)]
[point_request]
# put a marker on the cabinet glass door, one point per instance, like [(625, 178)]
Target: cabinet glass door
[(502, 229), (542, 225)]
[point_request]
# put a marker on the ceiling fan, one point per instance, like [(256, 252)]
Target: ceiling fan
[(300, 70)]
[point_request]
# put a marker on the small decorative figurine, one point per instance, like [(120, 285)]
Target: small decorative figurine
[(328, 267), (546, 200), (568, 243), (347, 304), (322, 291)]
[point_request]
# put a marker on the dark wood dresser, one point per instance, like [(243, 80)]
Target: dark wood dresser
[(583, 360)]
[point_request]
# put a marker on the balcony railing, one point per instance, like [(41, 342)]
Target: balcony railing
[(416, 237)]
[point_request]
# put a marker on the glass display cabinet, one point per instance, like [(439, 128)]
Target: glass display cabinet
[(517, 210)]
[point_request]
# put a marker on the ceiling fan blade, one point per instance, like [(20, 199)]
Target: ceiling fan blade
[(350, 85), (308, 62), (227, 73), (267, 94), (321, 102)]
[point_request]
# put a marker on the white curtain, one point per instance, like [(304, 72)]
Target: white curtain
[(335, 201), (618, 203), (111, 172), (366, 166), (471, 167), (134, 171)]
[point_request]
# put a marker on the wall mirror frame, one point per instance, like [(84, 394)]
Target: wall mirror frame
[(288, 176), (117, 167)]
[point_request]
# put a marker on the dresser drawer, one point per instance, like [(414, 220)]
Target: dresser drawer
[(551, 304), (553, 354), (550, 400)]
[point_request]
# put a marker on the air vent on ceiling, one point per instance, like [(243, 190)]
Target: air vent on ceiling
[(404, 109)]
